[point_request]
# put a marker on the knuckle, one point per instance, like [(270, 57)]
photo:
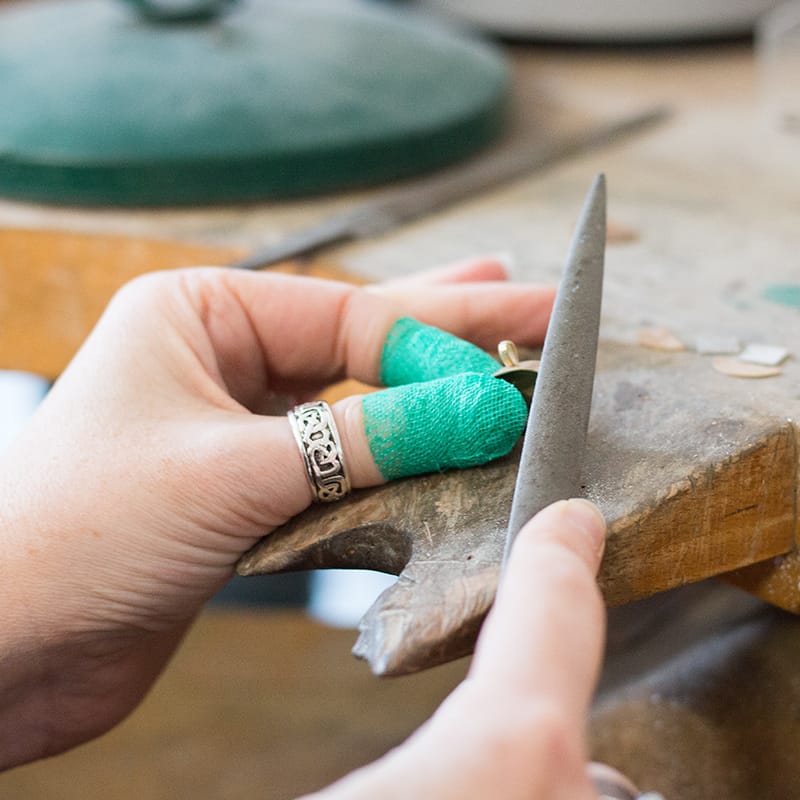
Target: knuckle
[(144, 287), (134, 299), (529, 741), (533, 734), (557, 743), (149, 288)]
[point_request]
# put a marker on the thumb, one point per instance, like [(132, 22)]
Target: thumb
[(544, 636)]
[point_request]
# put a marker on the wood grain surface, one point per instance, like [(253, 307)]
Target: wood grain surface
[(54, 284)]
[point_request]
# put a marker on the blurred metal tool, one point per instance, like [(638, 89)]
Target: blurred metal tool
[(425, 196), (555, 438)]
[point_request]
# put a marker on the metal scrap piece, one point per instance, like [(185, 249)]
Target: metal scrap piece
[(660, 339), (767, 354), (736, 368)]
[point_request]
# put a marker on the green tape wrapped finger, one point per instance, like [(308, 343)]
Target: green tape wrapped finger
[(415, 352), (461, 421), (443, 410)]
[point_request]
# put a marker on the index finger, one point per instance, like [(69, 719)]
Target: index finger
[(544, 636), (278, 331)]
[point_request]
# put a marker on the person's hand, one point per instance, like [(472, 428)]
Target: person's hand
[(148, 470), (515, 728)]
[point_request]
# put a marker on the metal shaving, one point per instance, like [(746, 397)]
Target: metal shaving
[(620, 233), (767, 354), (737, 368), (660, 339)]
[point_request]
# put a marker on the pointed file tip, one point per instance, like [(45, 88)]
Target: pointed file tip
[(598, 188), (593, 215)]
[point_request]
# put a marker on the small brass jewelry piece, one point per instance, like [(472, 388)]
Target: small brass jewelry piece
[(521, 374), (508, 353), (321, 449)]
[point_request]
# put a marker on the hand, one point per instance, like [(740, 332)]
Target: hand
[(148, 470), (515, 728)]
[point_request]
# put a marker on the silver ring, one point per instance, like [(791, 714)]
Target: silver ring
[(316, 435), (611, 784)]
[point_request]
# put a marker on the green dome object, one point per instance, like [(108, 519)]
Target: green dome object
[(101, 105)]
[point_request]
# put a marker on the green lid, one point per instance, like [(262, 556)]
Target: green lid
[(103, 104)]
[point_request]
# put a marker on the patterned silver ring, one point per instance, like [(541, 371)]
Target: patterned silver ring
[(316, 435)]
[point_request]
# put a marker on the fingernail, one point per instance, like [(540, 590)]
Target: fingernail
[(587, 516)]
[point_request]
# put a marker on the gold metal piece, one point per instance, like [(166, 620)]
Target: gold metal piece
[(521, 374), (508, 353)]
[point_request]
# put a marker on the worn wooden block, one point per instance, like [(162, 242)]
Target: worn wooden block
[(692, 486)]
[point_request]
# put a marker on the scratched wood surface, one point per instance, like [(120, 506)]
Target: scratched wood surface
[(695, 471), (725, 499)]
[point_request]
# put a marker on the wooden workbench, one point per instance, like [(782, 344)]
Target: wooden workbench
[(714, 198)]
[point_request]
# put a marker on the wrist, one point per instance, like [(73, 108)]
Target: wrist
[(65, 675), (23, 674)]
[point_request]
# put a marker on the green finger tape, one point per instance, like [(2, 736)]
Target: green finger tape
[(461, 421), (415, 352)]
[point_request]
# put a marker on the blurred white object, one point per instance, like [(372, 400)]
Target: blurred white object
[(611, 20), (20, 393), (778, 50), (766, 354), (339, 597), (713, 344)]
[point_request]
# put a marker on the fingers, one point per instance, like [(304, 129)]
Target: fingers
[(270, 331), (464, 297), (483, 313), (461, 421), (486, 268), (414, 352), (544, 636), (224, 336), (515, 728)]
